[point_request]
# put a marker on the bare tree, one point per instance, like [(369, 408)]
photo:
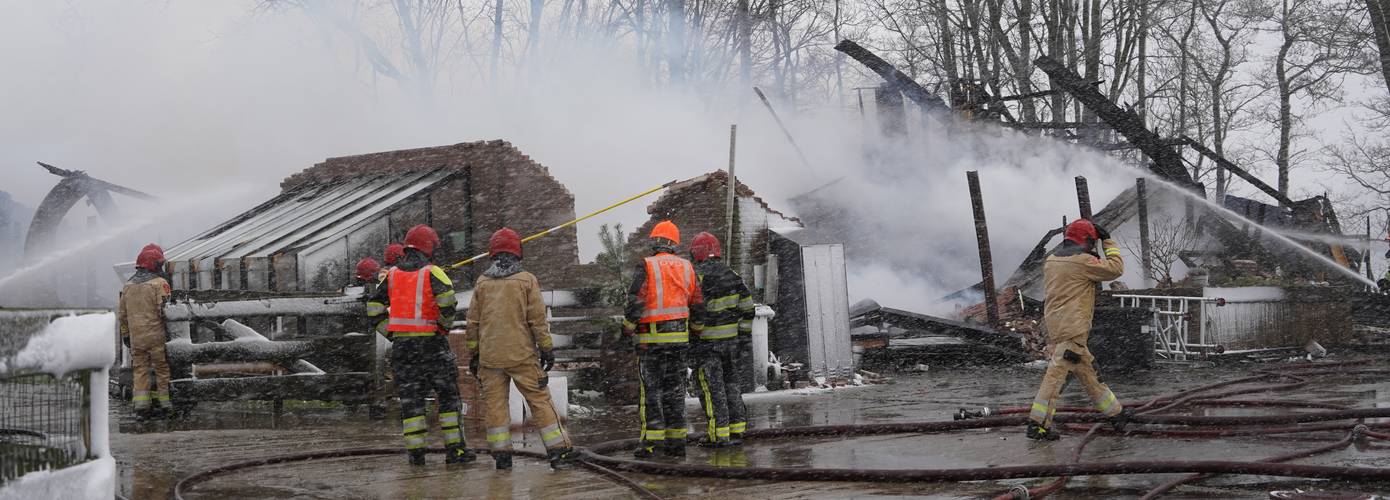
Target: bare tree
[(1169, 238)]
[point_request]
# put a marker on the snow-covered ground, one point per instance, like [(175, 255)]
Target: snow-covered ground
[(90, 480)]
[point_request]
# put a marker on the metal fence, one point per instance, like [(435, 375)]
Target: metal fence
[(44, 422)]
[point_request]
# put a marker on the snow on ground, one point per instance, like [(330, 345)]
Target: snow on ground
[(90, 480), (67, 344)]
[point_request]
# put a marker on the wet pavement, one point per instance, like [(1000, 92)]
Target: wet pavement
[(153, 456)]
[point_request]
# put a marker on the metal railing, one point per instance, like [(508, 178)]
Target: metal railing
[(44, 422), (1172, 322)]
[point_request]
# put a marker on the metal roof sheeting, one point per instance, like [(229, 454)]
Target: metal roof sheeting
[(305, 217)]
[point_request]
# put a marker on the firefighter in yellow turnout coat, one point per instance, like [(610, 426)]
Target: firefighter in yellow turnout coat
[(510, 340), (1070, 276)]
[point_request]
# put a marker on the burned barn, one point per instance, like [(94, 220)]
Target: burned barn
[(327, 217)]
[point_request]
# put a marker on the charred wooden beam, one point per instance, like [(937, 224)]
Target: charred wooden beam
[(1240, 172), (1167, 162), (977, 204), (1145, 257), (896, 78), (1083, 197)]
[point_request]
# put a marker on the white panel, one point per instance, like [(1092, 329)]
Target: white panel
[(827, 311)]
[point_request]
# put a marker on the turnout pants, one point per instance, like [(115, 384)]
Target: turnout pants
[(422, 365), (661, 403), (721, 398), (496, 386), (1081, 364), (148, 355)]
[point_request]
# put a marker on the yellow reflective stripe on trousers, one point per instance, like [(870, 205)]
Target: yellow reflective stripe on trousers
[(707, 401), (552, 435), (499, 438), (141, 396), (720, 332), (1107, 402), (376, 309), (1039, 410), (722, 303), (676, 433), (654, 435), (413, 424), (412, 334), (738, 427), (663, 338), (449, 419), (722, 432), (162, 396)]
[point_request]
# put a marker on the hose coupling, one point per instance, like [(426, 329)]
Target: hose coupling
[(1019, 492), (967, 414)]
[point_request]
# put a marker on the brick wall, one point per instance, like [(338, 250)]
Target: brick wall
[(697, 205)]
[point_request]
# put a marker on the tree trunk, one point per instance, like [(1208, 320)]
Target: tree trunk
[(1054, 21), (839, 56), (1281, 74), (745, 51), (1380, 23), (1092, 43), (675, 40), (496, 53), (1141, 80), (533, 31), (1025, 68)]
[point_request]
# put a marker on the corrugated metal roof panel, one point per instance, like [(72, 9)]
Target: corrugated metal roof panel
[(306, 217)]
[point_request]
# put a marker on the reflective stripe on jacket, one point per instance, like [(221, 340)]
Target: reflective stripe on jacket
[(669, 290), (414, 306), (729, 308)]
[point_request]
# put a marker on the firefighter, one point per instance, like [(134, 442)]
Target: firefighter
[(140, 312), (418, 300), (367, 274), (728, 320), (664, 307), (509, 337), (1070, 276), (389, 257)]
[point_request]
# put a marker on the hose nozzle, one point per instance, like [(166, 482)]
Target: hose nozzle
[(967, 414)]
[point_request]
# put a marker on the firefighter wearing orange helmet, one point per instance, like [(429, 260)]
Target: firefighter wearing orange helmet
[(664, 307), (418, 301), (1070, 276)]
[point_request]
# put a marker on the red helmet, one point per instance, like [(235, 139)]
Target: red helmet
[(422, 238), (1082, 232), (367, 268), (393, 253), (668, 230), (151, 258), (704, 247), (504, 241)]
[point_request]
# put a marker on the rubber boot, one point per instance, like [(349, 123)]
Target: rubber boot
[(674, 448), (504, 460), (645, 450), (458, 454), (561, 459), (1118, 422), (417, 457), (1040, 433), (735, 439)]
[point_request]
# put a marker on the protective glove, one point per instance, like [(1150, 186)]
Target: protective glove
[(1101, 232), (547, 360), (473, 364)]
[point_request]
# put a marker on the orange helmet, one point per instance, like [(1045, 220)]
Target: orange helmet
[(667, 229)]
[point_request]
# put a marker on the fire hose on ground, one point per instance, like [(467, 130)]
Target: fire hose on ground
[(1331, 418)]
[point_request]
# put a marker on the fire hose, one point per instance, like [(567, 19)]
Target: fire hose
[(1332, 418)]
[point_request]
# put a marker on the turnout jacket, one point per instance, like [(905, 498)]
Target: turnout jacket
[(140, 310), (441, 287), (1070, 276), (506, 319), (728, 304)]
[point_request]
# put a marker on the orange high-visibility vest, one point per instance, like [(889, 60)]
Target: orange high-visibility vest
[(413, 308), (670, 283)]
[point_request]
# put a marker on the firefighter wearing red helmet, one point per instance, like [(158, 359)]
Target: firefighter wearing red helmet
[(664, 306), (366, 272), (509, 337), (389, 257), (140, 313), (723, 351), (1070, 276), (418, 301)]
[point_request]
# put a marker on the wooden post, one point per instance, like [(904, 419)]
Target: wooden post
[(1083, 197), (731, 188), (1367, 257), (1145, 258), (982, 238)]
